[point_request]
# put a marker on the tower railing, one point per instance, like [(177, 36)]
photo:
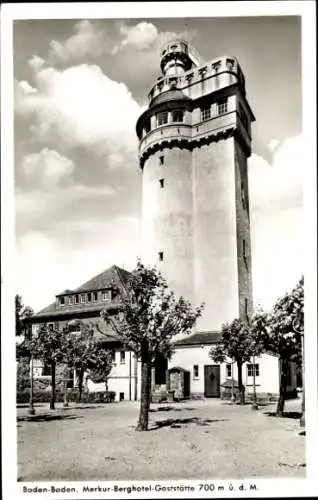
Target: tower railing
[(213, 68)]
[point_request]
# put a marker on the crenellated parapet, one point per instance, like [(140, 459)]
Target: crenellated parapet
[(194, 102), (222, 72)]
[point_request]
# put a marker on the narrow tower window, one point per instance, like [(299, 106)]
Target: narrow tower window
[(222, 106), (160, 256), (161, 182), (161, 160), (243, 195), (177, 115), (244, 249), (246, 308), (162, 118), (206, 113)]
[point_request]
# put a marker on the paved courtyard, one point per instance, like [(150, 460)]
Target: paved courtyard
[(189, 440)]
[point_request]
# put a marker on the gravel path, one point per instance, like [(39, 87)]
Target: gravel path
[(192, 440)]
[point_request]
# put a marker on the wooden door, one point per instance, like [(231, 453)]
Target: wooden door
[(212, 381)]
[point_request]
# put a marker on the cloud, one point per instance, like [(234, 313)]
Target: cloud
[(36, 62), (44, 210), (52, 265), (280, 184), (140, 36), (26, 87), (47, 169), (276, 206), (273, 145), (88, 40), (81, 106), (92, 42)]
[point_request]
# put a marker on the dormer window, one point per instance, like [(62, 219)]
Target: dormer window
[(89, 297), (70, 300), (62, 301), (76, 299), (106, 295), (82, 298), (95, 296)]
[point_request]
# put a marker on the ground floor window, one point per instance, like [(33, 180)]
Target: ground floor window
[(250, 370), (229, 370), (195, 371)]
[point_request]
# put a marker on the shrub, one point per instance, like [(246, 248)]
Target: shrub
[(44, 396), (23, 374)]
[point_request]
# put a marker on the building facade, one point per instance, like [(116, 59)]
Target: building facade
[(204, 378), (194, 141), (82, 306)]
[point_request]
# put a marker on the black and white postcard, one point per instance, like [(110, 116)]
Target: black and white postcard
[(159, 334)]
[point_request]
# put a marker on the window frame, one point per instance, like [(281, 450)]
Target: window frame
[(160, 255), (196, 372), (175, 112), (160, 120), (106, 295), (227, 366), (222, 106), (249, 368), (205, 113), (122, 358), (162, 183)]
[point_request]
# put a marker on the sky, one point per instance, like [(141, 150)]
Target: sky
[(79, 87)]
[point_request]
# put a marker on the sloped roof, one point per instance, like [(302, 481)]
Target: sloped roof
[(199, 338), (169, 95), (112, 276)]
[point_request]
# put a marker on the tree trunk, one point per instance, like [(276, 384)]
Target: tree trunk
[(240, 383), (66, 373), (282, 388), (52, 402), (80, 384), (145, 391)]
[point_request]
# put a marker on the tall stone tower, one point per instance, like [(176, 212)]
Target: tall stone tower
[(195, 138)]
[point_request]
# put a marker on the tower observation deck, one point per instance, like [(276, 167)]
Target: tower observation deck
[(194, 141)]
